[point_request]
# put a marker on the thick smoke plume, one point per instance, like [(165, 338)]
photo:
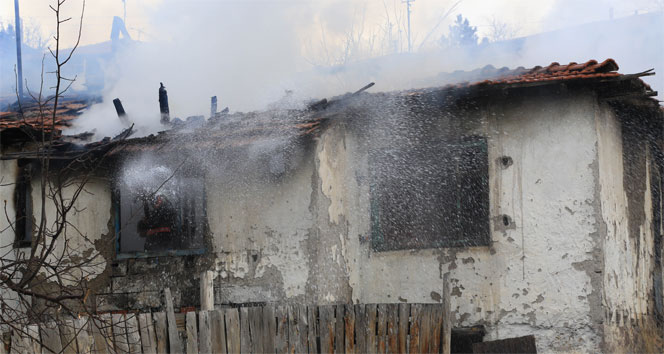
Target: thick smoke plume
[(259, 54)]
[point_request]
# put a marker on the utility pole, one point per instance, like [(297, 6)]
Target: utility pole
[(410, 44), (19, 61)]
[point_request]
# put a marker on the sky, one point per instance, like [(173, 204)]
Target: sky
[(524, 16)]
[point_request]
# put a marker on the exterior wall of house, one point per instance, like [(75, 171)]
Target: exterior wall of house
[(269, 244), (307, 237), (9, 174), (563, 223), (539, 276), (625, 171)]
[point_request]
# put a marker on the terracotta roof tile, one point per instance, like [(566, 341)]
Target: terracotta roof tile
[(31, 118), (555, 72)]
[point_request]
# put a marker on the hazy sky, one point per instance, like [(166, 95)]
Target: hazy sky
[(523, 16)]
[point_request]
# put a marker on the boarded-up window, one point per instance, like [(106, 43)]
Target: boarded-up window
[(429, 195)]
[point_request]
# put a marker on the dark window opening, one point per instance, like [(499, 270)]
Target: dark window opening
[(160, 210), (462, 339), (429, 195), (23, 202)]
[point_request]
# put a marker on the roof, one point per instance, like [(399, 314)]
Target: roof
[(68, 111), (240, 129), (556, 72), (489, 76)]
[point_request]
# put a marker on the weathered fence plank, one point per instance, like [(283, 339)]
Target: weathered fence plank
[(174, 343), (204, 339), (339, 329), (312, 321), (120, 333), (436, 328), (192, 332), (370, 329), (392, 328), (360, 329), (415, 323), (404, 318), (18, 344), (234, 342), (218, 332), (101, 334), (382, 328), (326, 328), (256, 328), (68, 337), (425, 328), (447, 323), (245, 339), (34, 340), (148, 340), (294, 342), (161, 332), (302, 328), (133, 334), (270, 328), (281, 341), (349, 329), (50, 335)]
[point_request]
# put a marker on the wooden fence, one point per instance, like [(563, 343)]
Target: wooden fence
[(374, 328)]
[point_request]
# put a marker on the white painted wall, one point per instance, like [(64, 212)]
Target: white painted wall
[(8, 174), (89, 221)]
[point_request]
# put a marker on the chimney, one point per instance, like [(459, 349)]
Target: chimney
[(163, 104), (213, 106), (120, 111)]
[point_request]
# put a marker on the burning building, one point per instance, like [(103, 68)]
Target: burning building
[(536, 192)]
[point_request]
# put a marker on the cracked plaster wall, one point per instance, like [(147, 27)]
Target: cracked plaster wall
[(89, 223), (627, 278), (267, 233)]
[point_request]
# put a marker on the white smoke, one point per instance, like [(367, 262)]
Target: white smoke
[(250, 53)]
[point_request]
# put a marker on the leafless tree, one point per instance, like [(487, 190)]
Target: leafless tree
[(50, 282), (500, 31)]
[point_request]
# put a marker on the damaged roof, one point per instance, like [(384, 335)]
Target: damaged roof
[(30, 120), (240, 129)]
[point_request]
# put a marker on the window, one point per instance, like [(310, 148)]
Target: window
[(23, 203), (159, 210), (429, 195)]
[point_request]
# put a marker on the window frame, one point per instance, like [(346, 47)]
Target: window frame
[(117, 223), (24, 214), (378, 242)]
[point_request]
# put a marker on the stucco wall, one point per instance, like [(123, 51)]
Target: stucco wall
[(537, 276), (8, 174), (625, 163), (87, 223)]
